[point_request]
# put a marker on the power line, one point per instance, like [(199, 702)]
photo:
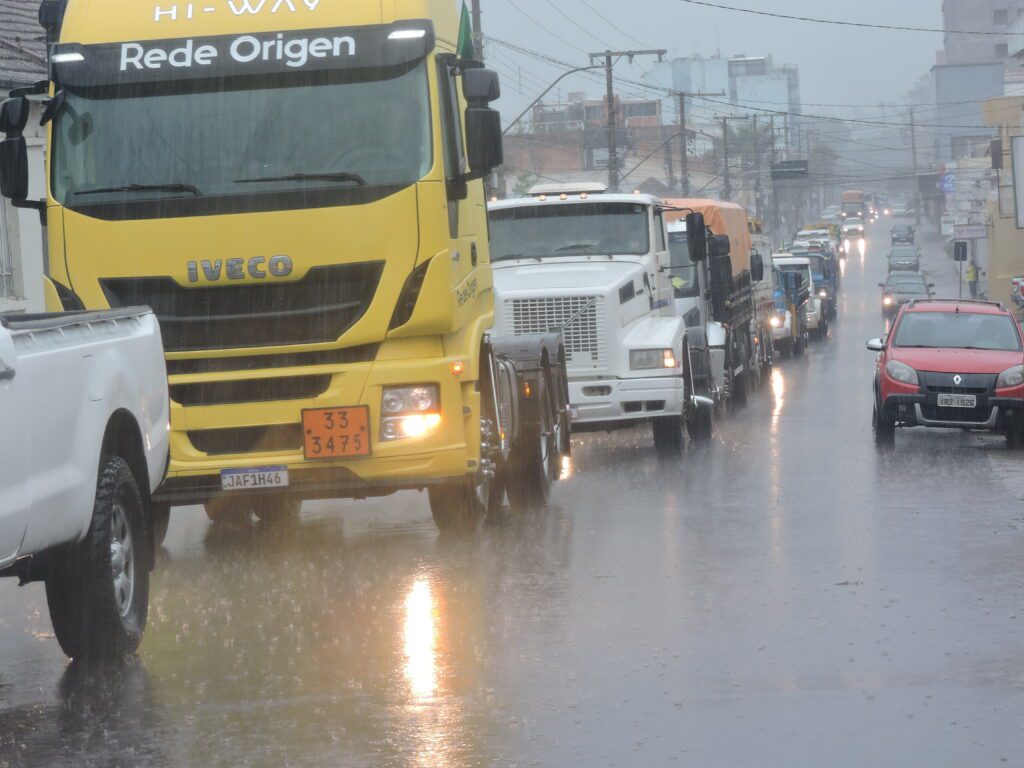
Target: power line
[(613, 25), (835, 22)]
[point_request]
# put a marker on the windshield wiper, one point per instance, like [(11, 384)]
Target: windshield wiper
[(355, 178), (577, 247), (191, 189)]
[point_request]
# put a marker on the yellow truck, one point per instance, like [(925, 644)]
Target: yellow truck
[(295, 188)]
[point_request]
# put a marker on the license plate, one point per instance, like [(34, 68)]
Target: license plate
[(255, 478), (336, 433), (958, 401)]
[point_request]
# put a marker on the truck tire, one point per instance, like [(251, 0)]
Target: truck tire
[(701, 425), (98, 594), (280, 510), (800, 346), (228, 512), (741, 384), (533, 461), (668, 436)]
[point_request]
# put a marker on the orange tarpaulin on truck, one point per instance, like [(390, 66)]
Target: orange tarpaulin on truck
[(723, 219)]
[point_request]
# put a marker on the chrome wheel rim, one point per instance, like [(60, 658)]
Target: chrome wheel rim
[(122, 559)]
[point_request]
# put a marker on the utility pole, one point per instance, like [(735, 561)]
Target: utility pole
[(684, 150), (726, 176), (478, 32), (917, 183), (610, 58), (669, 162), (776, 223), (757, 171)]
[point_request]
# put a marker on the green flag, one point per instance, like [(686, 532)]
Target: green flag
[(465, 49)]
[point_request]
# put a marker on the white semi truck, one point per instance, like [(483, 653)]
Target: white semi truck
[(85, 412), (595, 267)]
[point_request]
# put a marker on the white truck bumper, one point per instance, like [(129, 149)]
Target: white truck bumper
[(625, 399)]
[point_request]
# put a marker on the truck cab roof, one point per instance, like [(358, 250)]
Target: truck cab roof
[(576, 198)]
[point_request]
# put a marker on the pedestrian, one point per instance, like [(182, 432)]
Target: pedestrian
[(972, 278)]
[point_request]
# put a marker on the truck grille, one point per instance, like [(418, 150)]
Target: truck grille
[(274, 439), (585, 340), (250, 391), (317, 309)]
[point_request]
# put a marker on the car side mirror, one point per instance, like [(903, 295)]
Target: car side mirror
[(876, 345), (484, 147), (756, 267), (14, 116), (696, 237)]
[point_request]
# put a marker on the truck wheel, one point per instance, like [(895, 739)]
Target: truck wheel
[(228, 512), (799, 347), (277, 509), (885, 430), (741, 384), (460, 506), (786, 349), (533, 463), (701, 425), (160, 519), (98, 594), (668, 436)]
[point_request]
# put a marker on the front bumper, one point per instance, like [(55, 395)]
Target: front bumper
[(604, 401), (993, 414)]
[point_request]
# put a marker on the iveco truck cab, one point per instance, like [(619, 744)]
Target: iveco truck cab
[(595, 266), (295, 188)]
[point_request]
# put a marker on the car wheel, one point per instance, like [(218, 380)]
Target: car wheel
[(98, 594), (884, 429)]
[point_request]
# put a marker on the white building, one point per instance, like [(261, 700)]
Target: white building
[(22, 62)]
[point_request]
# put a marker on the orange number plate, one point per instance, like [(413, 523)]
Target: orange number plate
[(337, 433)]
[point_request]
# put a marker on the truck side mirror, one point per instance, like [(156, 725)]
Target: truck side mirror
[(481, 86), (696, 237), (14, 116), (756, 267), (483, 140), (14, 168)]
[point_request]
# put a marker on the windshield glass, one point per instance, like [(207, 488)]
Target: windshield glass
[(910, 288), (817, 267), (684, 273), (542, 231), (950, 330), (259, 145)]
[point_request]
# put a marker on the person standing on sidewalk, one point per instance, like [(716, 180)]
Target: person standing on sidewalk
[(972, 278)]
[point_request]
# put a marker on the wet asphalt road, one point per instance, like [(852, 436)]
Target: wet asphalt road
[(787, 597)]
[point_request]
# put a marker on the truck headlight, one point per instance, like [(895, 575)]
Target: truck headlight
[(651, 359), (409, 411), (887, 301), (901, 372), (775, 321), (1011, 377), (823, 293)]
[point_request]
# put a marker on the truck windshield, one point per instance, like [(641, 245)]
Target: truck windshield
[(584, 229), (684, 273), (201, 149), (958, 330)]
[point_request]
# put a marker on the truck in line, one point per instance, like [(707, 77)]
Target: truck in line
[(83, 401), (595, 266), (855, 205), (323, 282), (726, 310)]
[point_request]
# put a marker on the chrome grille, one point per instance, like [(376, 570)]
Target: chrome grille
[(585, 339)]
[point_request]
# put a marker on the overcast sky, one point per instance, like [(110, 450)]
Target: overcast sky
[(837, 64)]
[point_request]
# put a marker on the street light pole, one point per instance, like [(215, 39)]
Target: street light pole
[(547, 90)]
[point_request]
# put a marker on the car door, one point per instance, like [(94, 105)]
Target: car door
[(13, 482)]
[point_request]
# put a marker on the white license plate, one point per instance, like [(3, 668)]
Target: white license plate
[(253, 479), (958, 401)]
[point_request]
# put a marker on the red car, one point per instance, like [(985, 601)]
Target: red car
[(952, 364)]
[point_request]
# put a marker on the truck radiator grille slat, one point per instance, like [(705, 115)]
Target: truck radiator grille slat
[(317, 309), (223, 442), (585, 338), (251, 391)]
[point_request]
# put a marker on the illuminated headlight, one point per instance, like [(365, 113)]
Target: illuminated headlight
[(775, 321), (888, 212), (823, 294), (1012, 377), (651, 359), (901, 372), (887, 301), (409, 412)]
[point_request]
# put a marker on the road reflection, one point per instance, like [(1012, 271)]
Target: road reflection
[(779, 395), (420, 640)]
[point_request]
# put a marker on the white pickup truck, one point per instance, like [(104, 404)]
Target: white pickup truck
[(83, 445)]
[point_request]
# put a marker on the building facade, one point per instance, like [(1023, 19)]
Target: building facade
[(997, 17)]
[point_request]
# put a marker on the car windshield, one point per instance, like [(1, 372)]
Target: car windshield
[(578, 229), (818, 267), (907, 287), (958, 330), (268, 145), (903, 253), (684, 273)]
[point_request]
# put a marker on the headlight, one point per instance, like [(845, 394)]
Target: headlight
[(823, 293), (651, 359), (775, 322), (1012, 377), (887, 301), (901, 372), (409, 411)]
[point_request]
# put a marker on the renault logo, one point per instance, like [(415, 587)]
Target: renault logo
[(958, 379)]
